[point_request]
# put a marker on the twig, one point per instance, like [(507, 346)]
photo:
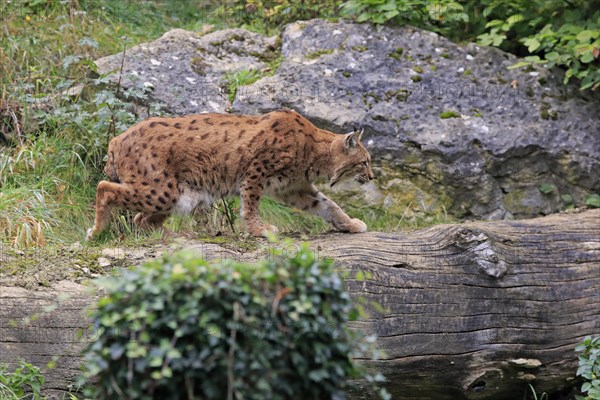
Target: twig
[(17, 129), (189, 388), (228, 214), (230, 356), (281, 293), (116, 387), (403, 214)]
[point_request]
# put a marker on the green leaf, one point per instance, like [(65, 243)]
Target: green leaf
[(593, 200), (532, 44), (594, 393), (585, 36), (513, 19), (318, 375), (70, 59), (494, 22), (535, 59), (520, 64), (553, 55), (547, 188), (587, 57), (360, 276), (567, 198), (88, 41)]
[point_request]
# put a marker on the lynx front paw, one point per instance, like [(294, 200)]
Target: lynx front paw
[(263, 230), (357, 226), (90, 234)]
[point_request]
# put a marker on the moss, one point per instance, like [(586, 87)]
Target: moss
[(233, 38), (397, 53), (44, 265), (433, 67), (360, 49), (398, 121), (274, 65), (476, 112), (374, 96), (370, 98), (347, 74), (235, 242), (445, 55), (199, 66), (547, 113), (416, 78), (529, 91), (406, 202), (272, 54), (467, 72), (400, 95), (449, 114), (418, 69), (316, 54)]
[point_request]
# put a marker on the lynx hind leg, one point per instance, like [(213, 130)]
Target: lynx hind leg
[(150, 201), (145, 220), (311, 200)]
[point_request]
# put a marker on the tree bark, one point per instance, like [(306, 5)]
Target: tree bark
[(467, 311)]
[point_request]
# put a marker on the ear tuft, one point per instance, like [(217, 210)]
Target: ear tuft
[(353, 138)]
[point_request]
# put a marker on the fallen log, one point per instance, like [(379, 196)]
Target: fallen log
[(468, 311)]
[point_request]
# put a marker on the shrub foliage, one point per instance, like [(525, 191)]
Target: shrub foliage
[(563, 33), (183, 328), (589, 368)]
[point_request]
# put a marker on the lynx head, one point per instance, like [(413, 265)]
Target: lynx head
[(351, 159)]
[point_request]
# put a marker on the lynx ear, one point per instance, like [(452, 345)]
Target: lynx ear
[(353, 138)]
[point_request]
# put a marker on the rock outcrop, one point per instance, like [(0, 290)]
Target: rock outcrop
[(187, 72), (450, 127)]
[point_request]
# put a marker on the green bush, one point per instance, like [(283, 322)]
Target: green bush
[(589, 368), (561, 33), (183, 328)]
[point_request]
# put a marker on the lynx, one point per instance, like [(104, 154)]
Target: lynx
[(162, 166)]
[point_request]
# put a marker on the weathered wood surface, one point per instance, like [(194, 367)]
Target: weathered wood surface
[(472, 311)]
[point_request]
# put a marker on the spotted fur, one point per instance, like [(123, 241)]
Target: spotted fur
[(173, 165)]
